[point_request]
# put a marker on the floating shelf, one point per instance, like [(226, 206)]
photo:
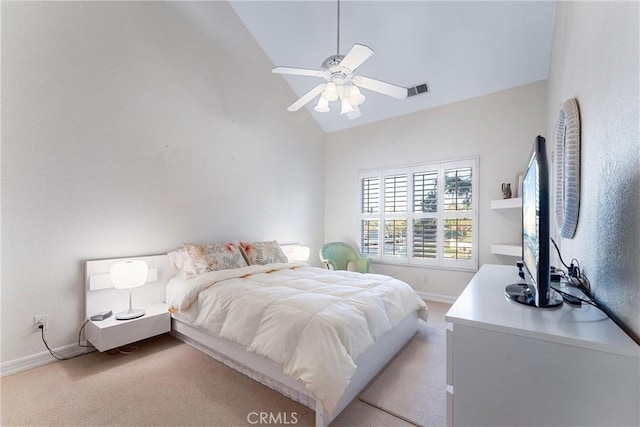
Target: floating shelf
[(514, 203), (510, 250)]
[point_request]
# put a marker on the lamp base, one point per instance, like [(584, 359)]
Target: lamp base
[(133, 313)]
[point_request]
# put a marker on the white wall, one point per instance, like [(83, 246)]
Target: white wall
[(129, 128), (499, 128), (595, 57)]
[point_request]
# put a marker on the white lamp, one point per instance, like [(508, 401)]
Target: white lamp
[(301, 253), (129, 275)]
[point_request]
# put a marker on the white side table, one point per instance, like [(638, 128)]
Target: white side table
[(110, 333)]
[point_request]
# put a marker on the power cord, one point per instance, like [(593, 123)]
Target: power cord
[(578, 279), (559, 254), (127, 349), (59, 357), (574, 275), (575, 300)]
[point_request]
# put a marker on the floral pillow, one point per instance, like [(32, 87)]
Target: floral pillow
[(181, 263), (261, 253), (214, 256)]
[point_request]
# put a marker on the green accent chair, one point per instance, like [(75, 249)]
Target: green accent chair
[(339, 256)]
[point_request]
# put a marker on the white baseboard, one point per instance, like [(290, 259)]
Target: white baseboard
[(437, 298), (43, 358), (39, 359)]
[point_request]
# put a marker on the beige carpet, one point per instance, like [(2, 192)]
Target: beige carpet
[(168, 383), (413, 386)]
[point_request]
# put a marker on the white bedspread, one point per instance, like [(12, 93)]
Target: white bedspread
[(311, 322)]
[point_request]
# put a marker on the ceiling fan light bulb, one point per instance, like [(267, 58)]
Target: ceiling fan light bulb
[(322, 106), (330, 96), (330, 93), (355, 96), (346, 106), (357, 100)]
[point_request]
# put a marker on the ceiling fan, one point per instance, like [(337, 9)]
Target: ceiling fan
[(341, 81)]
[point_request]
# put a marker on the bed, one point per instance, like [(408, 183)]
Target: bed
[(314, 335)]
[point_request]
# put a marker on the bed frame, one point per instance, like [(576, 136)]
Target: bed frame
[(268, 373), (100, 297)]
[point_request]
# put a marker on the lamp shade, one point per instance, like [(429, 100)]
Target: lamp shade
[(301, 253), (346, 106), (129, 274), (355, 96), (323, 105), (330, 92)]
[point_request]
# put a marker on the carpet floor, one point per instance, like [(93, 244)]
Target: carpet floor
[(168, 383), (413, 386)]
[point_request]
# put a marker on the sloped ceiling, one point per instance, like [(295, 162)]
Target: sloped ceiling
[(462, 49)]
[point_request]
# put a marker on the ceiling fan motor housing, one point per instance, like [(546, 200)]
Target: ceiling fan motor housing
[(332, 61), (332, 65)]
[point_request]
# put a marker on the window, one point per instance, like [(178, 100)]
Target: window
[(370, 210), (421, 215)]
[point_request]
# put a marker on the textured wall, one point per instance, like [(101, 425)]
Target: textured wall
[(129, 128), (595, 60)]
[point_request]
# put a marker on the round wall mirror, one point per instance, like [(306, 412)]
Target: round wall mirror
[(567, 159)]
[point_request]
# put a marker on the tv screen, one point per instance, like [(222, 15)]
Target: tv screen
[(536, 225), (531, 220)]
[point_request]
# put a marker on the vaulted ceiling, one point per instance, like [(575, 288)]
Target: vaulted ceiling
[(462, 49)]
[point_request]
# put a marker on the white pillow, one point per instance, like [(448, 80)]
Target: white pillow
[(181, 263)]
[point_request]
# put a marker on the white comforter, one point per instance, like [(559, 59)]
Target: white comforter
[(311, 322)]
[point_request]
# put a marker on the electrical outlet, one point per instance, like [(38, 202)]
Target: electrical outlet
[(39, 320)]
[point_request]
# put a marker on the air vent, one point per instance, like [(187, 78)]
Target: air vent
[(417, 90)]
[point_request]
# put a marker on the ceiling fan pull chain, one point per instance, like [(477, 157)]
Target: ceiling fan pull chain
[(338, 42)]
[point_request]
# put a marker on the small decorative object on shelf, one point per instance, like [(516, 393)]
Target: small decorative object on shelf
[(506, 190)]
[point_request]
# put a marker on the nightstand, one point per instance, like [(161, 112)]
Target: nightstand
[(110, 333)]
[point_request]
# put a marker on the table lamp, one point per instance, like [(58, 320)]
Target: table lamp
[(301, 253), (129, 275)]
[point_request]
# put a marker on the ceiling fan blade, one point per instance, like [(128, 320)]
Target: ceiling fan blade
[(298, 71), (356, 56), (381, 87), (307, 97), (354, 114)]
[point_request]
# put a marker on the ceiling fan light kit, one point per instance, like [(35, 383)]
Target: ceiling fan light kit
[(355, 96), (322, 106), (341, 81), (346, 106), (330, 92)]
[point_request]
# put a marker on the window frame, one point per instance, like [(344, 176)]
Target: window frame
[(362, 216), (410, 215)]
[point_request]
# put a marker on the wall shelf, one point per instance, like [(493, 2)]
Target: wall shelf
[(503, 249), (507, 249), (513, 203)]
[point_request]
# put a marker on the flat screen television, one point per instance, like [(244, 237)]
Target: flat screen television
[(535, 289)]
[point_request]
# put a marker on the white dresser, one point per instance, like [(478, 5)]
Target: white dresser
[(514, 365)]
